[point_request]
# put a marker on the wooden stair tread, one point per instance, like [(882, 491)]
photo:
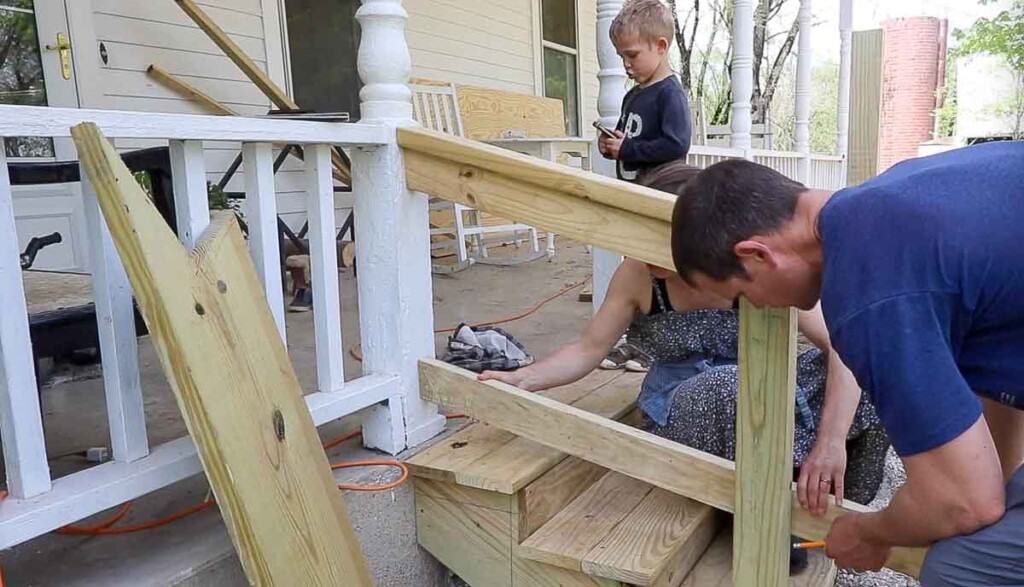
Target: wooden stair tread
[(625, 530), (485, 457), (714, 569)]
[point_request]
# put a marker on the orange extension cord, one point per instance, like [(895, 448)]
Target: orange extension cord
[(106, 527)]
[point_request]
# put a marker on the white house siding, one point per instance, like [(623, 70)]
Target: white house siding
[(473, 42), (587, 23), (137, 34)]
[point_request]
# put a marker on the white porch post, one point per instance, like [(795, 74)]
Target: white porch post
[(803, 93), (612, 79), (843, 108), (742, 76), (393, 252)]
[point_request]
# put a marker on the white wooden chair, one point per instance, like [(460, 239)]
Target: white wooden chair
[(436, 107)]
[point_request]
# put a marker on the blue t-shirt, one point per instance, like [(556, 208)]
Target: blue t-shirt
[(656, 122), (923, 289)]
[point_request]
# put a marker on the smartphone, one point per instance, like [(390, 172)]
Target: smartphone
[(604, 130)]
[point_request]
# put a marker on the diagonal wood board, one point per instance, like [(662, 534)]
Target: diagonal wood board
[(234, 383), (616, 446)]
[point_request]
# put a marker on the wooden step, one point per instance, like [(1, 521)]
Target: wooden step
[(625, 530), (714, 569)]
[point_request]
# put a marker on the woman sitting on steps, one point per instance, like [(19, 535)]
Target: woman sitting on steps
[(689, 394)]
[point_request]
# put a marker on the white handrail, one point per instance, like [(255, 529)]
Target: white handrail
[(40, 121)]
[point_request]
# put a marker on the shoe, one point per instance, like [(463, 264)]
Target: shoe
[(303, 300), (640, 361), (617, 357)]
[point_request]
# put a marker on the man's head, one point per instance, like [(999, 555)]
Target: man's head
[(642, 34), (730, 235)]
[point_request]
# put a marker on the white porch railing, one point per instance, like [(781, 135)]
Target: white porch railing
[(37, 503), (828, 172)]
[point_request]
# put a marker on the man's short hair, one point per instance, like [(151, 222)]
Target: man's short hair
[(726, 203), (646, 19)]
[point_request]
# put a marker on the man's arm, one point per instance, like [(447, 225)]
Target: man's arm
[(951, 490)]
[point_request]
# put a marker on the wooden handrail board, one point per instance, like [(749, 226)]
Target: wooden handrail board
[(660, 462), (230, 372), (539, 173), (581, 219), (486, 457)]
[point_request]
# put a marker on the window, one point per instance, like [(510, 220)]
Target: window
[(561, 58), (21, 72)]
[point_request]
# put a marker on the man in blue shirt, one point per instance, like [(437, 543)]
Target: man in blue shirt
[(920, 275)]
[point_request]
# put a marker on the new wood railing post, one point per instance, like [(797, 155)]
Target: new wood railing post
[(393, 252)]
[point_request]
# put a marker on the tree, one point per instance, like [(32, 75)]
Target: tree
[(685, 45), (1001, 35)]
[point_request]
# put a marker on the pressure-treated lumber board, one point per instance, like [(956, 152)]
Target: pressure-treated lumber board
[(447, 459), (550, 493), (714, 569), (546, 208), (234, 383), (186, 89), (461, 494), (764, 445), (486, 113), (520, 461), (475, 542), (660, 462), (657, 543), (528, 573), (525, 169), (567, 538)]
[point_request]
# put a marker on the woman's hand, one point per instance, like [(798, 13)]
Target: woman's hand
[(519, 378), (822, 472)]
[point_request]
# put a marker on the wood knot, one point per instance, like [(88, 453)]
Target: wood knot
[(467, 173), (200, 309), (278, 419), (458, 445), (222, 287)]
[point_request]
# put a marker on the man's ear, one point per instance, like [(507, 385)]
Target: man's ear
[(754, 251)]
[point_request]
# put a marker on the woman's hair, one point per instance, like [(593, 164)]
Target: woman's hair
[(670, 177)]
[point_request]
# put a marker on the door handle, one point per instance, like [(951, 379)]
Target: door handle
[(63, 49)]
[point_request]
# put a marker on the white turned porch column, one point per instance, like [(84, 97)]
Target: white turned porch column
[(742, 76), (843, 108), (395, 295), (612, 79), (803, 93)]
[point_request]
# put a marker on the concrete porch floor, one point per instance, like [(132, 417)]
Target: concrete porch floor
[(196, 550)]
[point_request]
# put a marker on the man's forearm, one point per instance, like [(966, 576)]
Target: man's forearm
[(842, 396)]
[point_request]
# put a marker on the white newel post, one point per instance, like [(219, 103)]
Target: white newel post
[(802, 131), (393, 250), (742, 76), (612, 80), (843, 108)]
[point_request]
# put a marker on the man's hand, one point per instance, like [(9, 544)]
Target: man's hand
[(610, 147), (822, 472), (847, 545)]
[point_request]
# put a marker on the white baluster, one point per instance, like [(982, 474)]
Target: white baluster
[(392, 253), (323, 257), (21, 425), (261, 217), (742, 75), (612, 88), (115, 319), (802, 131), (191, 202), (843, 108)]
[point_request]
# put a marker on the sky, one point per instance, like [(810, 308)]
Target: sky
[(869, 14)]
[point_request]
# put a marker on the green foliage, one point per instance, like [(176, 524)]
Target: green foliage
[(1003, 36), (945, 115)]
